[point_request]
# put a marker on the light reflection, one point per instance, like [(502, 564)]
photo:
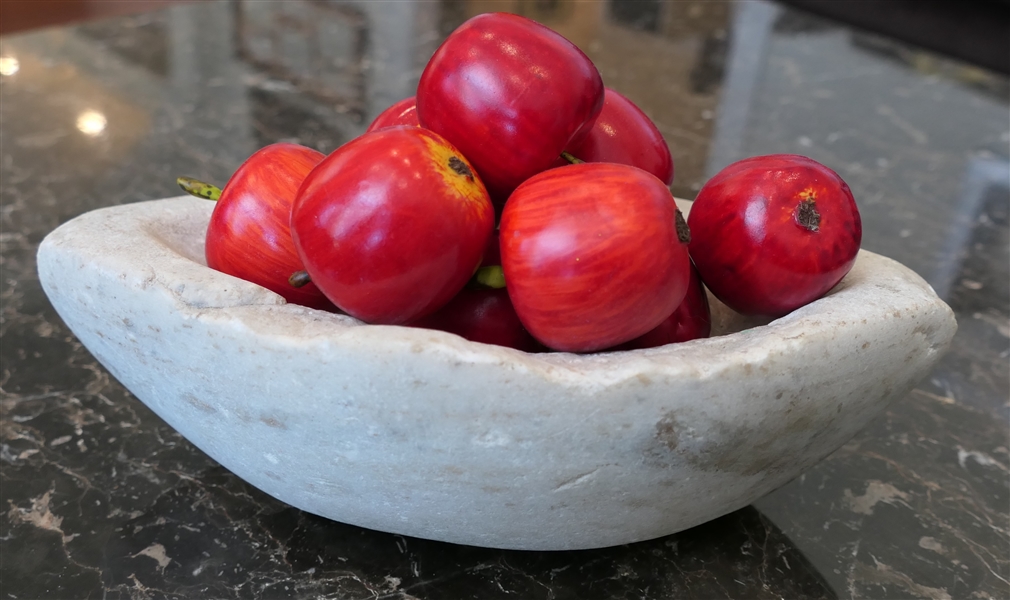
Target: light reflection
[(91, 122), (755, 217), (538, 72), (9, 65)]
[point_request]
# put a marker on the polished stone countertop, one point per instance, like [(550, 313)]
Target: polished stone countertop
[(101, 499)]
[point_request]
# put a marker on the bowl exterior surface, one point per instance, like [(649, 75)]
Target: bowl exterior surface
[(422, 433)]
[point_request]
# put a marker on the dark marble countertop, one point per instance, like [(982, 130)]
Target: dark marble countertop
[(101, 499)]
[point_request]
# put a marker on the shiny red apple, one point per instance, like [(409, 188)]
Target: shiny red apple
[(392, 224), (623, 134), (403, 112), (690, 321), (772, 233), (248, 235), (511, 94), (482, 315), (594, 255)]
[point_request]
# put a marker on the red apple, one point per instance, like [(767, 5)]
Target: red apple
[(594, 255), (248, 235), (511, 94), (403, 112), (772, 233), (626, 135), (691, 320), (392, 224), (482, 315)]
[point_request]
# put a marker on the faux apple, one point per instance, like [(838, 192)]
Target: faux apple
[(391, 225), (403, 112), (482, 311), (623, 134), (772, 233), (482, 315), (248, 235), (511, 94), (594, 255), (690, 321)]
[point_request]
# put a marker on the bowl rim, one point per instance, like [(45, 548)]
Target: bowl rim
[(169, 244)]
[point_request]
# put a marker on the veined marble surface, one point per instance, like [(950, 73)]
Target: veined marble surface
[(103, 499)]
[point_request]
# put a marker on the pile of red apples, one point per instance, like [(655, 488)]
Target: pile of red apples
[(515, 200)]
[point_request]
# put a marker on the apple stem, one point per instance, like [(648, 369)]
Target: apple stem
[(683, 231), (489, 277), (806, 215), (299, 279), (575, 161), (195, 187)]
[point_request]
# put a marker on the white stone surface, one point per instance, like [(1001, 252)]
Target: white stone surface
[(425, 434)]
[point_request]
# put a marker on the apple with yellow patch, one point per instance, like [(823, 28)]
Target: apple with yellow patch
[(391, 225)]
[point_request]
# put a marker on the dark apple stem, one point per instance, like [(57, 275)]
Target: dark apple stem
[(683, 231), (575, 161), (460, 167), (299, 279), (489, 277), (195, 187), (806, 214)]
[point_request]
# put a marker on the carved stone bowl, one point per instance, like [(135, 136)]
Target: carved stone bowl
[(425, 434)]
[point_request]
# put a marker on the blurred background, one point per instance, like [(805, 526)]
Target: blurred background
[(973, 30)]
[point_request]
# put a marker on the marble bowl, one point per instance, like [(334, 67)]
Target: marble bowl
[(422, 433)]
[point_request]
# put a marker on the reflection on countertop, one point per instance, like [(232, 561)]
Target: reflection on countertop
[(103, 499)]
